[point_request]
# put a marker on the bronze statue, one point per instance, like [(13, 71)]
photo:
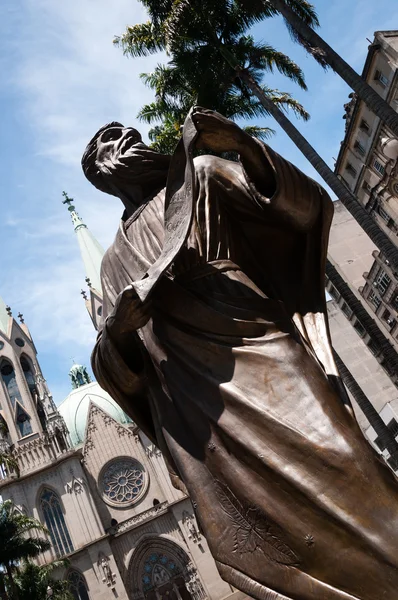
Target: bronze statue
[(216, 343)]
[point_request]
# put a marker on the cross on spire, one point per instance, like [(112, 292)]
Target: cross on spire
[(68, 201), (20, 317)]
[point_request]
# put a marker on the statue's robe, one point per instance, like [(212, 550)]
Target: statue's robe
[(233, 378)]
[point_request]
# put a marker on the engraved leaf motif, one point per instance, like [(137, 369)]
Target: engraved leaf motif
[(253, 530)]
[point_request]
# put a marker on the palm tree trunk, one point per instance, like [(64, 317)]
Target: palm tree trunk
[(384, 434), (13, 586), (378, 237), (365, 92)]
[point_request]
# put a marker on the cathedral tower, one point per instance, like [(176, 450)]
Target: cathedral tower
[(91, 252), (28, 414)]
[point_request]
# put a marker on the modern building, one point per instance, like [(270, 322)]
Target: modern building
[(368, 164), (361, 281)]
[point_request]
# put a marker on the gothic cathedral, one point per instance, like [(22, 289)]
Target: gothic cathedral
[(94, 479)]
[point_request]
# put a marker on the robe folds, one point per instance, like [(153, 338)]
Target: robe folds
[(238, 387)]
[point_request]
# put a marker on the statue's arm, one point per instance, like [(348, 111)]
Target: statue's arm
[(285, 193), (117, 358)]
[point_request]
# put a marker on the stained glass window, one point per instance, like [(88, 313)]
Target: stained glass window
[(158, 569), (123, 481), (27, 369), (23, 421), (78, 586), (55, 523), (8, 376)]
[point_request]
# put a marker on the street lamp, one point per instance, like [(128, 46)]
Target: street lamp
[(49, 591)]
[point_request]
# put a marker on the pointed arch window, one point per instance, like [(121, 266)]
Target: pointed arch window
[(78, 585), (8, 376), (31, 381), (23, 421), (29, 376), (55, 522)]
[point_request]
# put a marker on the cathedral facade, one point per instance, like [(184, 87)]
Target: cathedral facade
[(93, 478), (98, 485)]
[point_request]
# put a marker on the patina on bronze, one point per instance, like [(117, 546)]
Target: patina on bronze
[(215, 341)]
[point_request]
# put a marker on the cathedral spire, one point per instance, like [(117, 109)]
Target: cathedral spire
[(90, 249)]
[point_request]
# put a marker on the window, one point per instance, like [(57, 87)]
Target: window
[(394, 300), (27, 371), (346, 310), (360, 148), (366, 186), (158, 569), (393, 427), (9, 378), (386, 217), (374, 299), (364, 126), (55, 523), (19, 342), (378, 166), (334, 293), (389, 319), (381, 78), (123, 481), (359, 328), (351, 169), (23, 421), (382, 282), (78, 585), (384, 214), (373, 347)]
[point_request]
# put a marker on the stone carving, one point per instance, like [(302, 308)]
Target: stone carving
[(194, 585), (103, 564), (152, 450), (234, 347), (76, 486), (146, 515), (189, 522)]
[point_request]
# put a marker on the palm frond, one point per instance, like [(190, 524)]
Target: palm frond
[(140, 40), (261, 133)]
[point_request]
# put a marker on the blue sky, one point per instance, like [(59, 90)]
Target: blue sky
[(61, 79)]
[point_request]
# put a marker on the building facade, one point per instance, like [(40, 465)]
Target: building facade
[(368, 164), (94, 479), (98, 485)]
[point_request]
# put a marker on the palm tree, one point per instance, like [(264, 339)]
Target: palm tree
[(323, 53), (187, 29), (34, 580), (179, 85), (16, 541)]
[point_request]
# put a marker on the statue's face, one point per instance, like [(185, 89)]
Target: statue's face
[(116, 143)]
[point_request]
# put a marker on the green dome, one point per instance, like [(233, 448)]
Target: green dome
[(74, 409)]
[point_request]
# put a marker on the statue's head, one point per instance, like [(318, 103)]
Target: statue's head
[(117, 162)]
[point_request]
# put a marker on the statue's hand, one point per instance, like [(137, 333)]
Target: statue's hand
[(216, 132), (128, 314)]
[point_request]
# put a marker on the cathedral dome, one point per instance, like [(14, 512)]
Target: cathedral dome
[(74, 409)]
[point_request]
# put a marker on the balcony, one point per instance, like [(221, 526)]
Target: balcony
[(139, 519)]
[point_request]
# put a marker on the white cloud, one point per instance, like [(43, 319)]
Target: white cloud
[(69, 80)]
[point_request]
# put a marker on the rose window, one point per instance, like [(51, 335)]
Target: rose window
[(123, 481)]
